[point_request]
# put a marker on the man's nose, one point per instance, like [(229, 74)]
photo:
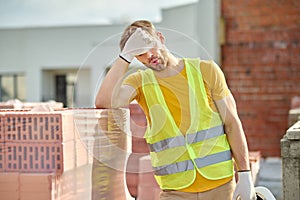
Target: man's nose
[(149, 54)]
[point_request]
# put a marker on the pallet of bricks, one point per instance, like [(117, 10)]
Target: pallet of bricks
[(36, 149)]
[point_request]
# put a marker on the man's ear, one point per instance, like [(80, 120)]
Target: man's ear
[(161, 37)]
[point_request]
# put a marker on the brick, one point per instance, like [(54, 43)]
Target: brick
[(39, 127), (39, 186), (132, 172), (53, 105), (139, 146), (86, 121), (9, 177), (107, 182), (4, 105), (138, 127), (84, 151), (8, 187), (2, 128), (39, 157), (9, 195), (263, 38), (75, 184), (147, 187), (67, 185), (119, 120), (148, 193), (35, 195), (138, 112), (146, 175), (37, 183), (91, 122), (40, 178), (2, 156), (67, 125), (69, 155), (9, 182)]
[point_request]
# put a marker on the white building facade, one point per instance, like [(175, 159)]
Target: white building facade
[(67, 64)]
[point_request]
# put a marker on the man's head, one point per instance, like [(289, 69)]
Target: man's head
[(157, 57), (143, 24)]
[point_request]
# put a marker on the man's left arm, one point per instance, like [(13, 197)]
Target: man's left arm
[(234, 131), (214, 78), (237, 140)]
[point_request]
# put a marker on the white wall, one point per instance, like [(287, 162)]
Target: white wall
[(58, 48), (90, 49), (207, 29), (179, 24)]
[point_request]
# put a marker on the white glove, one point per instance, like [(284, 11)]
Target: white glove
[(138, 43), (244, 188)]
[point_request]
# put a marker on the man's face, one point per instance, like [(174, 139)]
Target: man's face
[(155, 59)]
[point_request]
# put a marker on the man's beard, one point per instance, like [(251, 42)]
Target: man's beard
[(162, 65), (158, 68)]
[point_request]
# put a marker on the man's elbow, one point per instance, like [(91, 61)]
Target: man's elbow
[(106, 104), (232, 124), (102, 103)]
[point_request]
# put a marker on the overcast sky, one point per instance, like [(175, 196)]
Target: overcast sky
[(23, 13)]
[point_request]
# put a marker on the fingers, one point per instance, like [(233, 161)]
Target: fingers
[(143, 39), (143, 34), (235, 196), (139, 43)]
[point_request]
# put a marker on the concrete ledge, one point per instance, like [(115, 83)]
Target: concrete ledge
[(290, 153)]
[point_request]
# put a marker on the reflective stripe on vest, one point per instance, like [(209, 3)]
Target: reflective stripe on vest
[(188, 164), (191, 138)]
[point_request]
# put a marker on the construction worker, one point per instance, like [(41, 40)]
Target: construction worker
[(193, 127)]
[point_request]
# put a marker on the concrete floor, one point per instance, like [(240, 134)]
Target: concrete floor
[(270, 176)]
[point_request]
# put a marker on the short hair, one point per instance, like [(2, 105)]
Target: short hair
[(143, 24)]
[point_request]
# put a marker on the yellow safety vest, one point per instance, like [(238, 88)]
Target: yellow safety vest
[(175, 157)]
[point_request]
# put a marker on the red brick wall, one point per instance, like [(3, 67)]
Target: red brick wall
[(261, 61)]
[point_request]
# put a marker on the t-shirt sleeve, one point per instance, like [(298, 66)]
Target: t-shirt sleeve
[(135, 81), (214, 79)]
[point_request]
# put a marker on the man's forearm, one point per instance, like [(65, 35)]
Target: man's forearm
[(238, 144), (111, 84), (234, 131), (244, 187)]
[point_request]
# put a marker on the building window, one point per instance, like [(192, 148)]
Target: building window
[(12, 86)]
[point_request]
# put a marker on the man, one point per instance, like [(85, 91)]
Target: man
[(193, 125)]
